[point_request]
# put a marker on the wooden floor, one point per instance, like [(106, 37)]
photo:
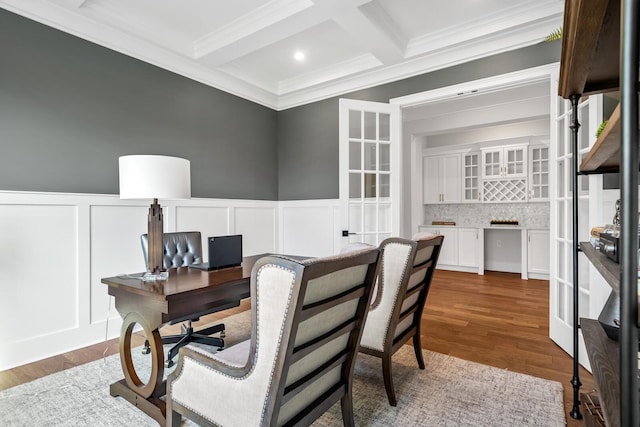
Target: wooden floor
[(496, 319)]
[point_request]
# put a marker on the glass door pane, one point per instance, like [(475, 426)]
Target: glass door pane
[(370, 192)]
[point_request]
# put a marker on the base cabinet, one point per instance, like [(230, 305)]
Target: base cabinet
[(449, 250), (538, 253), (468, 253), (459, 249)]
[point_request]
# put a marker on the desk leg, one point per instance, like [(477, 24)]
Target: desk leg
[(144, 396), (152, 406)]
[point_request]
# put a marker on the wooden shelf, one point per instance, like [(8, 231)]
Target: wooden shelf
[(604, 357), (607, 268), (604, 156), (590, 47)]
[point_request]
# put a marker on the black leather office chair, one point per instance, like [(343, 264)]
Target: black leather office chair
[(182, 249)]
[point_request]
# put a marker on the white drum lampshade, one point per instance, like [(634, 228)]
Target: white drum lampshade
[(154, 177)]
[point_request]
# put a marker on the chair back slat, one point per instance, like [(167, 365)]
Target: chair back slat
[(404, 278), (325, 333)]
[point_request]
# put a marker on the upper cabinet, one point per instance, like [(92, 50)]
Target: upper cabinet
[(504, 174), (441, 179), (497, 174), (471, 177), (539, 173), (504, 162)]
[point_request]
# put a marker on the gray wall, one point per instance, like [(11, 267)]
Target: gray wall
[(308, 135), (70, 108)]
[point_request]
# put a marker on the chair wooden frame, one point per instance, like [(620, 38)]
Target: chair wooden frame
[(416, 265), (288, 352)]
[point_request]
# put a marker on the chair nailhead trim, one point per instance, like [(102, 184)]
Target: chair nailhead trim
[(264, 405)]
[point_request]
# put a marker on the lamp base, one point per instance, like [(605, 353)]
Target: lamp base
[(150, 277)]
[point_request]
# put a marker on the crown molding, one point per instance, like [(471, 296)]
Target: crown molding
[(492, 44), (72, 23), (481, 28), (360, 73), (173, 41)]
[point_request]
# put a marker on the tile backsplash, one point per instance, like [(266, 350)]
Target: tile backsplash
[(480, 214)]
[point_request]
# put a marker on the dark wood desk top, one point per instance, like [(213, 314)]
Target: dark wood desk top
[(182, 280)]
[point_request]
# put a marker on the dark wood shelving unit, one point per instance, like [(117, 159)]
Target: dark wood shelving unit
[(608, 269), (590, 54), (604, 355), (599, 54)]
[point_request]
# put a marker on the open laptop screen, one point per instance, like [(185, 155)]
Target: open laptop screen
[(225, 251)]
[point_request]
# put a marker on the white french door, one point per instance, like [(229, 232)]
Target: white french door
[(369, 171), (562, 218)]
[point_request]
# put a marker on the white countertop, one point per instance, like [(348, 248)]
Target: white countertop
[(489, 227)]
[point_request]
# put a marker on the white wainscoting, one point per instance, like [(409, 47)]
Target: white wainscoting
[(310, 227), (57, 247)]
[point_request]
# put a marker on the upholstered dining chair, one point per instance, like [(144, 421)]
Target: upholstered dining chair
[(182, 249), (404, 277), (307, 319)]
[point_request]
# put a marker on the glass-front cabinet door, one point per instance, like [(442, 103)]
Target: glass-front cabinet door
[(504, 162), (471, 178), (492, 163), (515, 159), (539, 173)]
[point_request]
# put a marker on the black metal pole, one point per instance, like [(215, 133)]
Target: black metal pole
[(629, 413), (575, 381)]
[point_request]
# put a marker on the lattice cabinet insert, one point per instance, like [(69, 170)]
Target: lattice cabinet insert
[(512, 190)]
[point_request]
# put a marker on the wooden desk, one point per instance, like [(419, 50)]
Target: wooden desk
[(153, 304)]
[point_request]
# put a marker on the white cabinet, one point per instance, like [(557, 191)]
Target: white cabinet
[(468, 251), (538, 253), (471, 177), (504, 162), (449, 250), (539, 173), (460, 247), (441, 179)]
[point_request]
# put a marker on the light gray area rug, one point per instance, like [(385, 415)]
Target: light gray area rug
[(449, 392)]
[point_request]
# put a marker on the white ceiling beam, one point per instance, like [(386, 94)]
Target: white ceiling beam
[(373, 29), (275, 21)]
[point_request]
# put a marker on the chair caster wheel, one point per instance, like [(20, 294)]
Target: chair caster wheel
[(168, 363), (146, 350)]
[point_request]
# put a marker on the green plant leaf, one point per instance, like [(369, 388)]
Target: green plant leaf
[(601, 128), (555, 35)]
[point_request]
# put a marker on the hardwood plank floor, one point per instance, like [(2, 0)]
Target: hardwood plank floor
[(496, 319)]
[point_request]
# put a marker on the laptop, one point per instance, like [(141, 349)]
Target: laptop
[(224, 251)]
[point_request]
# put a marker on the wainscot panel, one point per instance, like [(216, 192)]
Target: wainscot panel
[(57, 247)]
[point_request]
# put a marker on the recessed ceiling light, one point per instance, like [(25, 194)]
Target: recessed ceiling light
[(299, 56)]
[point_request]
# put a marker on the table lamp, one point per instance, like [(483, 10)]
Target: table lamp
[(154, 177)]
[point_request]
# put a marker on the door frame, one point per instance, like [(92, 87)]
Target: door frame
[(412, 157)]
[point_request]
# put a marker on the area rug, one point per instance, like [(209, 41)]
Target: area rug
[(449, 392)]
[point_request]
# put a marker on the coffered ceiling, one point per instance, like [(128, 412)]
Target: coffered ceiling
[(247, 47)]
